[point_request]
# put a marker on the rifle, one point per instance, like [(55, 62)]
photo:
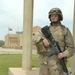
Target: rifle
[(55, 48)]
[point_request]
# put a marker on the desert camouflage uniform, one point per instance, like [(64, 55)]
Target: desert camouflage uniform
[(50, 65)]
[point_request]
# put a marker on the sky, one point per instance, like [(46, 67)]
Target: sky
[(11, 14)]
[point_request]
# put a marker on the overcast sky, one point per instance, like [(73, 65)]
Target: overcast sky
[(11, 14)]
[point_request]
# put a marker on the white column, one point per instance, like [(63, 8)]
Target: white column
[(73, 61), (74, 23), (27, 35)]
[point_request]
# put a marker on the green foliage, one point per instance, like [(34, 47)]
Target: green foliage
[(7, 61), (1, 43), (35, 61), (69, 62), (15, 61)]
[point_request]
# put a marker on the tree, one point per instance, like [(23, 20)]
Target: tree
[(1, 43)]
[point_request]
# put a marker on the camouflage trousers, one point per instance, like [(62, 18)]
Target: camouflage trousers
[(52, 67)]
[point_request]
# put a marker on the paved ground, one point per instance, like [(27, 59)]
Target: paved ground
[(20, 71), (13, 51)]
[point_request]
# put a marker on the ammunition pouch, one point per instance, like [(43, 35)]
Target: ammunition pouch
[(41, 50)]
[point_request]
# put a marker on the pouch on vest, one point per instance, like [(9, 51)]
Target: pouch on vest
[(41, 48)]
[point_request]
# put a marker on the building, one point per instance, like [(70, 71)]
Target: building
[(13, 41), (16, 40)]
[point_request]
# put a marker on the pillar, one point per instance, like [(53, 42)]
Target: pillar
[(27, 34), (73, 61)]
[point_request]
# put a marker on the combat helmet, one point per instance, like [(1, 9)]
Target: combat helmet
[(56, 11)]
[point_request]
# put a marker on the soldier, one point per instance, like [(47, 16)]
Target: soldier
[(51, 65)]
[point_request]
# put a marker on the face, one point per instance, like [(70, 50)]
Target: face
[(54, 17)]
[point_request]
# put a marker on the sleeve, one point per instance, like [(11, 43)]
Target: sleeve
[(69, 44), (37, 37)]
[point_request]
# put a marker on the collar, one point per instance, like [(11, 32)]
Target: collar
[(55, 24)]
